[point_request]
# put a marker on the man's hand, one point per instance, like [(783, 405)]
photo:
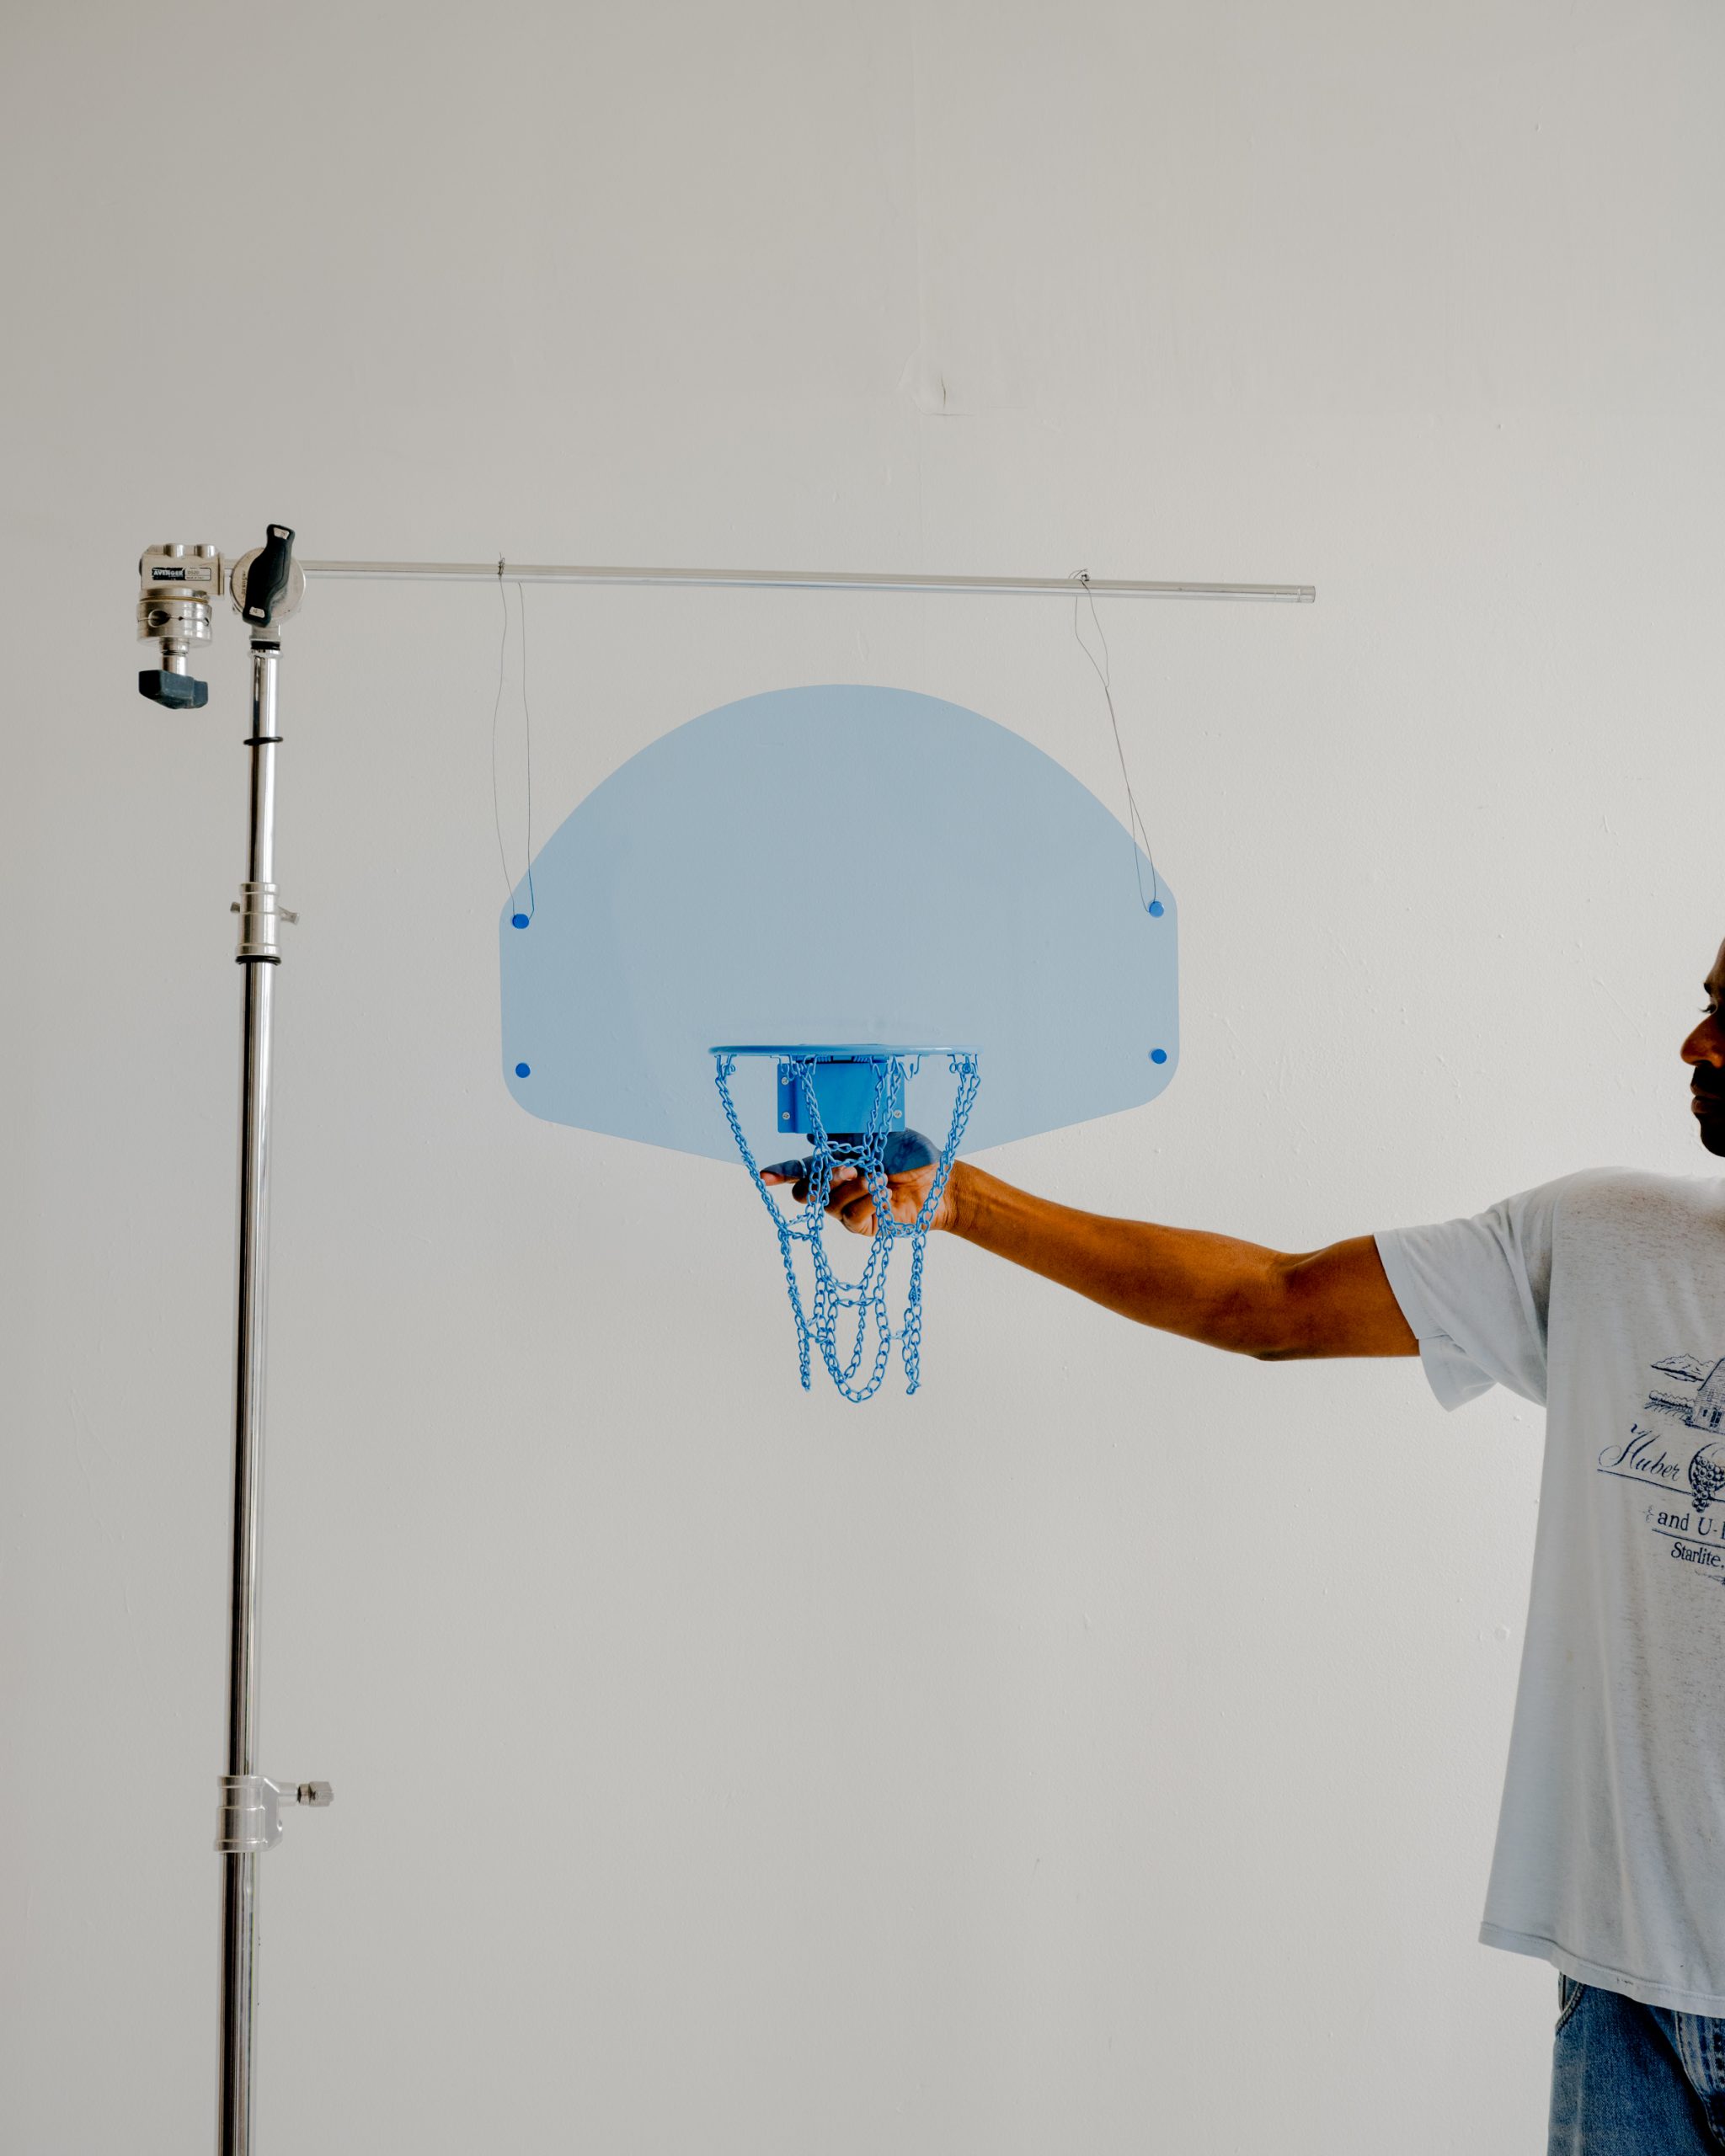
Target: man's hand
[(851, 1206)]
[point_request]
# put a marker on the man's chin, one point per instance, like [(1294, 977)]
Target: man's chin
[(1712, 1127)]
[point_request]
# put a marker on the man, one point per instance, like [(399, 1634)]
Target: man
[(1602, 1297)]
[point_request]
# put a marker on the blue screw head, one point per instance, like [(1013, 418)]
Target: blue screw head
[(524, 1070), (1156, 908), (1156, 1055), (518, 921)]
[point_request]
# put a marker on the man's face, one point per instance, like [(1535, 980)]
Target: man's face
[(1704, 1052)]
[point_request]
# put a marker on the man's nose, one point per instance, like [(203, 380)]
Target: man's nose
[(1706, 1044)]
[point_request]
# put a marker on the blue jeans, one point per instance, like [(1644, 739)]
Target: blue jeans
[(1632, 2080)]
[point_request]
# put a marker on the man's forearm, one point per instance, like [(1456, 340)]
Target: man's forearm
[(1225, 1293)]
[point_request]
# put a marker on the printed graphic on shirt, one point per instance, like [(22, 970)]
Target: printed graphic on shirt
[(1686, 1402)]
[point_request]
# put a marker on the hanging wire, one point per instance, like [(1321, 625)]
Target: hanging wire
[(527, 738), (509, 881), (496, 708), (1151, 901)]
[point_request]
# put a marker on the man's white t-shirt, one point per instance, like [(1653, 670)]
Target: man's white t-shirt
[(1602, 1296)]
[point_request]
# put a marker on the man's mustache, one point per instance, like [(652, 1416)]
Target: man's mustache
[(1711, 1085)]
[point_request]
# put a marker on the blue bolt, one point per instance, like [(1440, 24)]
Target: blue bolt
[(1156, 907), (518, 921), (1156, 1055), (524, 1070)]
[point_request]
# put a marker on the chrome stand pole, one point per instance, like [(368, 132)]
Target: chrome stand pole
[(178, 587), (259, 958)]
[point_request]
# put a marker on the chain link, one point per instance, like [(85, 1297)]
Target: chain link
[(818, 1320)]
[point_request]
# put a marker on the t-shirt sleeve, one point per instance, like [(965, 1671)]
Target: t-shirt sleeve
[(1477, 1295)]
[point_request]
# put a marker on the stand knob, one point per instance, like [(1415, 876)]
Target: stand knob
[(266, 576), (178, 691)]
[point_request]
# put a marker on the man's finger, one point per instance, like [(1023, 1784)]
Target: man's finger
[(796, 1173), (853, 1201)]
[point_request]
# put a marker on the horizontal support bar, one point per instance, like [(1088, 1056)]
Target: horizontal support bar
[(799, 580)]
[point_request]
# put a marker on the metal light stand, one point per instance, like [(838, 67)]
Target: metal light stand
[(177, 585)]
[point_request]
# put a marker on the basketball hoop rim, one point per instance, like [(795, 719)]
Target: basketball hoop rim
[(840, 1051)]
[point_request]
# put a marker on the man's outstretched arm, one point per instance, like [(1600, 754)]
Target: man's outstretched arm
[(1271, 1304), (1277, 1306)]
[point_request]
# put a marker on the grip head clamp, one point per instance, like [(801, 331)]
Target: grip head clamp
[(176, 585)]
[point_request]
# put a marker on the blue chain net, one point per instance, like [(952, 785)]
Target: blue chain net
[(819, 1321)]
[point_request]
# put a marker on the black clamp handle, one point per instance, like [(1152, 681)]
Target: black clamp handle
[(266, 577), (178, 691)]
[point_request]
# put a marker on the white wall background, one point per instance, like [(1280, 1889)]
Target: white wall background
[(1100, 1752)]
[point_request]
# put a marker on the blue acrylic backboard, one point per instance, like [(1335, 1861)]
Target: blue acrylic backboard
[(837, 864)]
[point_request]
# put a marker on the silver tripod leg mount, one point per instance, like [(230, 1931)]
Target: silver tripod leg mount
[(178, 587)]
